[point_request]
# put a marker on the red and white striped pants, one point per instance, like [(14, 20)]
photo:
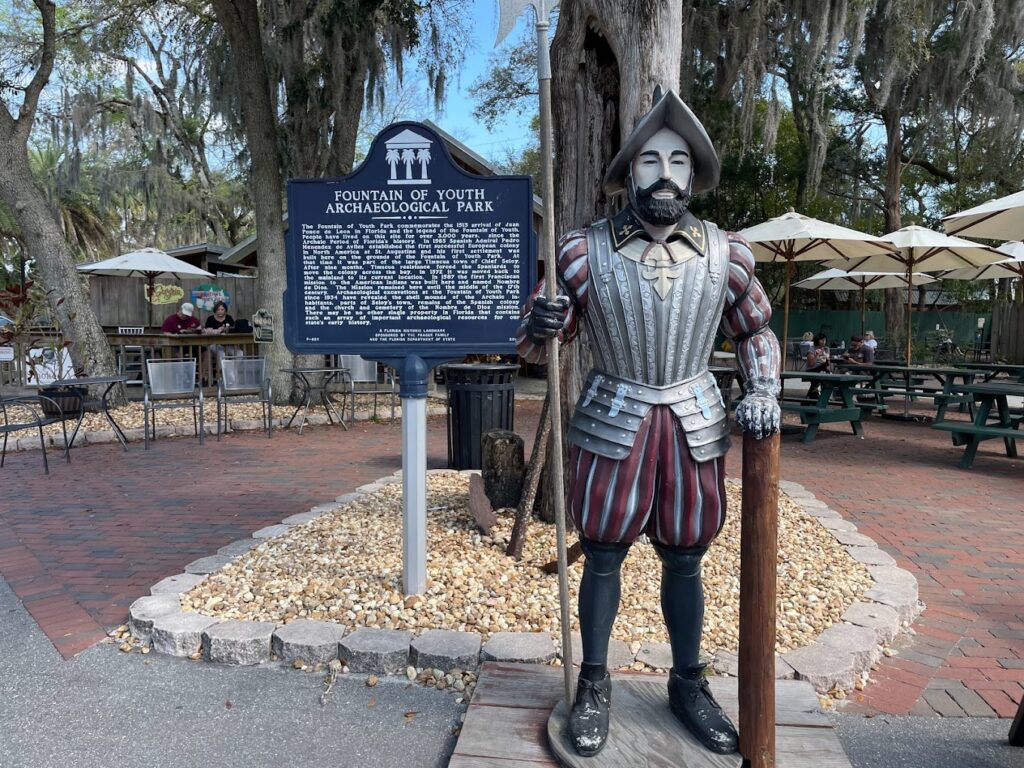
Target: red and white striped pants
[(658, 489)]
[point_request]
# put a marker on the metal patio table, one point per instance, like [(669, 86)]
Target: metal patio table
[(94, 381), (311, 390)]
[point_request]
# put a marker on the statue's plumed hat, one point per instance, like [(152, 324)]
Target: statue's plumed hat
[(668, 111)]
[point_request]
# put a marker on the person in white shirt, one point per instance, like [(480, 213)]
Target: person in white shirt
[(870, 340)]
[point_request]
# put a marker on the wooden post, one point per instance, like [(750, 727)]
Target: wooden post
[(758, 563)]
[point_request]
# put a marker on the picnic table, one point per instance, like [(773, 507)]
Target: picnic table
[(991, 370), (823, 410), (911, 382), (1006, 425)]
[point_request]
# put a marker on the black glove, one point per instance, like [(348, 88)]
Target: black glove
[(546, 318)]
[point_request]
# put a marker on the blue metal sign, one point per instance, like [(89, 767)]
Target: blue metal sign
[(408, 255)]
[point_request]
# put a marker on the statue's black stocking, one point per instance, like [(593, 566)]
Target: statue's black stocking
[(599, 602), (682, 602)]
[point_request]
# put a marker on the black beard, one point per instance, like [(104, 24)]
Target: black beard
[(656, 211)]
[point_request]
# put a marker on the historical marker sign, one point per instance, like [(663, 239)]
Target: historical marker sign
[(409, 254)]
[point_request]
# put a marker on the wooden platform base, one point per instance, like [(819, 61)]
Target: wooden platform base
[(507, 725)]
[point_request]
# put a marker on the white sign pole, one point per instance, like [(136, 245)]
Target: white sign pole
[(414, 495)]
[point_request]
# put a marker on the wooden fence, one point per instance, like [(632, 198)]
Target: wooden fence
[(121, 301), (1008, 333)]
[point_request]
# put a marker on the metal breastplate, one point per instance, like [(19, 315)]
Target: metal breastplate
[(636, 332), (651, 343)]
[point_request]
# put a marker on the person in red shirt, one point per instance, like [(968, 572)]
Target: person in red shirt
[(182, 321)]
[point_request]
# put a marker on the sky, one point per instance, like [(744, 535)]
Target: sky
[(457, 118)]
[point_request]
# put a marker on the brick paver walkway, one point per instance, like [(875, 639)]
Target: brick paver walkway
[(960, 532), (78, 546)]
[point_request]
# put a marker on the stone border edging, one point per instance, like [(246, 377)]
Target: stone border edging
[(837, 660)]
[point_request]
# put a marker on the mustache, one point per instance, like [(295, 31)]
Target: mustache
[(660, 185)]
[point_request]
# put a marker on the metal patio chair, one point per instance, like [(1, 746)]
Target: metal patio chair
[(172, 384), (130, 357), (244, 380), (42, 410)]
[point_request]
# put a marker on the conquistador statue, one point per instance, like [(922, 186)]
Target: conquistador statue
[(650, 431)]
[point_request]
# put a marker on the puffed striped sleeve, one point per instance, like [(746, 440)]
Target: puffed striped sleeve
[(746, 315), (573, 274)]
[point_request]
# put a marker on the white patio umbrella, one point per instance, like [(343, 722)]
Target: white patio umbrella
[(922, 250), (794, 237), (1001, 219), (149, 263), (839, 280), (1000, 270)]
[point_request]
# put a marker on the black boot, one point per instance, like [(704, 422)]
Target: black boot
[(692, 702), (588, 720)]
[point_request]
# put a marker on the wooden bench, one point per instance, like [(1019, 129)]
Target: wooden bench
[(971, 435)]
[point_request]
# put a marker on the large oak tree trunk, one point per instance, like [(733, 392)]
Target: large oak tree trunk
[(240, 20), (40, 230), (606, 59)]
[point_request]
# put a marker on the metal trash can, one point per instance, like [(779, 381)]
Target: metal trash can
[(481, 397)]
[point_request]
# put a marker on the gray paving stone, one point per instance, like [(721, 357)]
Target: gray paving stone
[(657, 655), (238, 642), (348, 497), (943, 703), (238, 548), (145, 609), (246, 425), (383, 651), (836, 524), (179, 634), (823, 514), (312, 641), (859, 642), (870, 556), (208, 564), (902, 598), (813, 504), (790, 486), (271, 530), (892, 575), (618, 652), (882, 619), (728, 663), (135, 435), (970, 702), (853, 539), (100, 436), (823, 666), (369, 488), (445, 649), (525, 647), (178, 584), (303, 517)]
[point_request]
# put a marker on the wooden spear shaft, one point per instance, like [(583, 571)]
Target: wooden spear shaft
[(758, 561), (547, 245)]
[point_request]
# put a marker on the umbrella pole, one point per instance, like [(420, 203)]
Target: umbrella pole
[(863, 299), (785, 316), (910, 308), (149, 298)]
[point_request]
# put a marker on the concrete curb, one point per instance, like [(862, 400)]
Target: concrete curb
[(841, 656)]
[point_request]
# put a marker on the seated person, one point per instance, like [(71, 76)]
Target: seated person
[(806, 345), (182, 321), (870, 340), (817, 361), (859, 352), (220, 322)]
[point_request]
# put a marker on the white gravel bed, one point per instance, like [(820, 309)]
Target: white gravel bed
[(346, 566)]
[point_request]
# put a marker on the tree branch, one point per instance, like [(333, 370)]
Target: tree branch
[(933, 169), (27, 114)]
